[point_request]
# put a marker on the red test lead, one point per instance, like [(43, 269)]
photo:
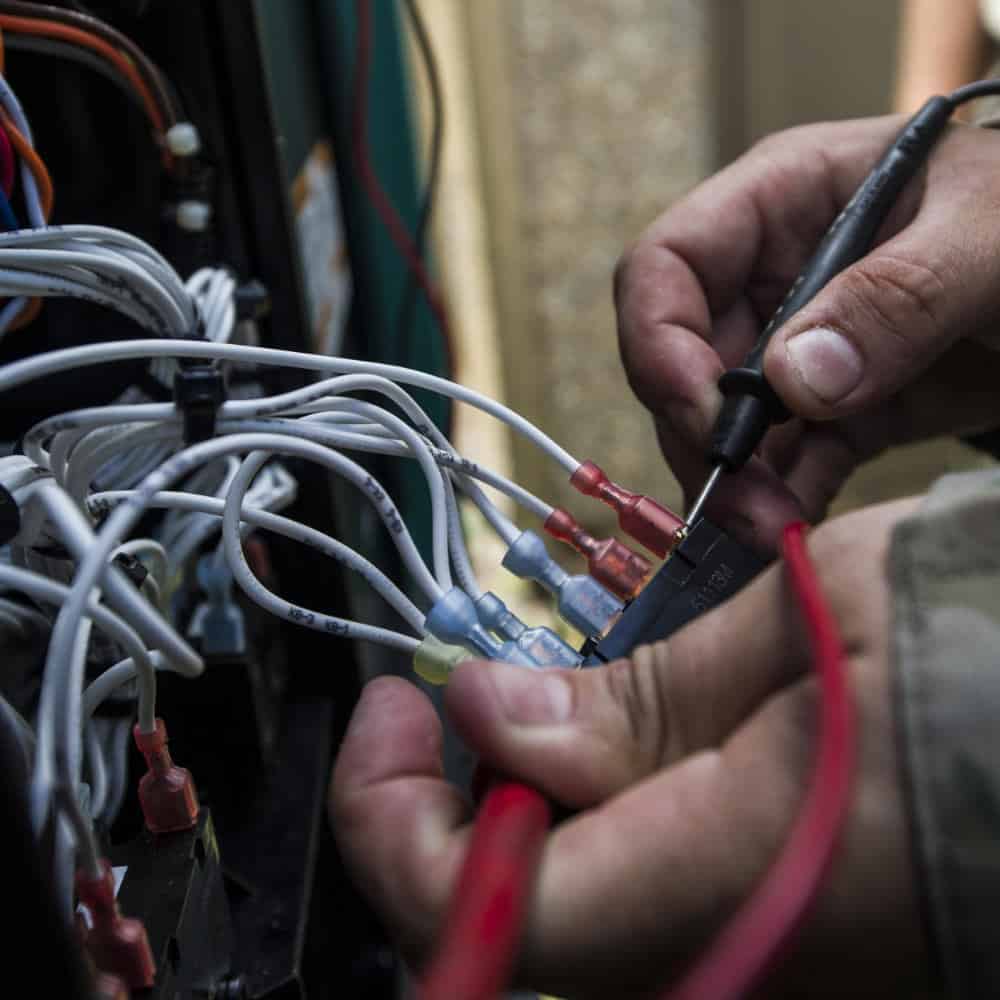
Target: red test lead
[(640, 517), (166, 792), (610, 562), (118, 945)]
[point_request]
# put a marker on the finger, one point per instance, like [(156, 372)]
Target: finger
[(712, 266), (884, 320), (629, 891), (395, 818), (583, 735)]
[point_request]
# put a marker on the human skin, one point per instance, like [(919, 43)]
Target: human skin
[(687, 762)]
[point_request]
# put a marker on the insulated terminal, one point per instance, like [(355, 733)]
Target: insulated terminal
[(707, 568), (453, 620), (435, 660), (610, 562), (642, 518), (540, 644), (118, 945), (166, 792), (580, 600)]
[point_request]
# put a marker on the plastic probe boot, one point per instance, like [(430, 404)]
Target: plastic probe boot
[(118, 945), (581, 600), (540, 644), (610, 562), (166, 792)]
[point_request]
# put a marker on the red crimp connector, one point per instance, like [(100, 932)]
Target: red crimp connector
[(641, 517), (166, 792), (611, 563), (118, 945)]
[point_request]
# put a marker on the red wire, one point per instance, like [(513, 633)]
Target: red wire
[(483, 926), (746, 945), (380, 200)]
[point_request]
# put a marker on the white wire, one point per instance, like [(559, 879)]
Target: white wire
[(64, 668), (47, 591), (324, 543), (18, 372), (80, 540), (31, 197), (258, 593)]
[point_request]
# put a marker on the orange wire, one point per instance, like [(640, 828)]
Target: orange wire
[(27, 153), (63, 32)]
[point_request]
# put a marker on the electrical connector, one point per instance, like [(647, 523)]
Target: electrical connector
[(540, 644), (434, 660), (707, 568), (640, 517), (580, 600), (118, 945), (611, 563), (218, 620), (166, 792), (453, 620)]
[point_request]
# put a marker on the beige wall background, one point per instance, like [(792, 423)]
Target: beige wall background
[(572, 124)]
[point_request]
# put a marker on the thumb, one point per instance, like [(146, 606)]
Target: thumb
[(583, 735), (881, 322)]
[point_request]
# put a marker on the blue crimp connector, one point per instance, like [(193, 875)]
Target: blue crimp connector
[(581, 600), (453, 620), (540, 644)]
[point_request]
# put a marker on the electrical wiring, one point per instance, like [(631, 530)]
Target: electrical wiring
[(60, 702), (26, 370), (74, 53), (418, 449), (739, 955), (7, 217), (258, 593), (47, 591), (80, 540), (86, 22), (64, 32), (214, 507), (485, 917), (38, 193)]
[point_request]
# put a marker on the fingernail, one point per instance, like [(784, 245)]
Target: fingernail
[(532, 697), (826, 361)]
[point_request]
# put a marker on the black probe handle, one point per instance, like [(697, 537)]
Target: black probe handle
[(751, 405)]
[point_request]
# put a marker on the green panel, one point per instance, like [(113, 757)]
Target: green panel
[(309, 50)]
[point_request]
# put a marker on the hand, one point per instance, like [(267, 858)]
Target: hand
[(689, 763), (893, 350)]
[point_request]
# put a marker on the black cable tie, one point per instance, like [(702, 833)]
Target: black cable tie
[(199, 391)]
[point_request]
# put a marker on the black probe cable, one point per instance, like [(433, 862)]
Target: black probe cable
[(751, 406)]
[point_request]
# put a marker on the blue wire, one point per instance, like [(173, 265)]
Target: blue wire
[(7, 217)]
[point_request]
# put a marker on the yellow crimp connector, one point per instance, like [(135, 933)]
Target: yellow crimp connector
[(435, 660)]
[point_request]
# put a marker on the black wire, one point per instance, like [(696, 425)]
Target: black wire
[(981, 88), (404, 319)]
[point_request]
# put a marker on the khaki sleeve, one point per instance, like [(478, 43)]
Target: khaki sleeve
[(945, 573)]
